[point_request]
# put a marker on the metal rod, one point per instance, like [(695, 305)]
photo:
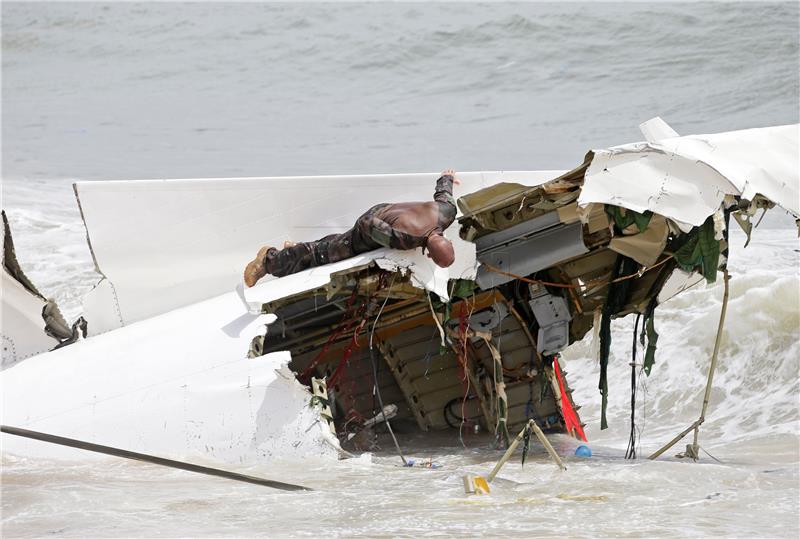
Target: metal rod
[(726, 277), (675, 440), (546, 444), (506, 455), (510, 451), (712, 368), (113, 451)]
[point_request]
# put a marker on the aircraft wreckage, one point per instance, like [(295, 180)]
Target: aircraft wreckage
[(176, 363)]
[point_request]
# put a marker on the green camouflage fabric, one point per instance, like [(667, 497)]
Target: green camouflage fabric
[(370, 232)]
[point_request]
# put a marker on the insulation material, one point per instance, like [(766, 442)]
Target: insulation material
[(594, 216), (165, 244), (569, 213), (644, 247), (686, 178)]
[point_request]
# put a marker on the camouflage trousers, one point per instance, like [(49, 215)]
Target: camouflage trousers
[(368, 233)]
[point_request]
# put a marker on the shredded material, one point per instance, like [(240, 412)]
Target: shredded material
[(616, 299)]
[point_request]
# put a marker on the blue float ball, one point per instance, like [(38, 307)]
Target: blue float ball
[(583, 451)]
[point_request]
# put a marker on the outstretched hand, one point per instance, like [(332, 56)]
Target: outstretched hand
[(451, 172)]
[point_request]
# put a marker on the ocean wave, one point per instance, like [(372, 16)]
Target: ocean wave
[(756, 383)]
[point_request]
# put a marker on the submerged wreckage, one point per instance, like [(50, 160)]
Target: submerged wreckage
[(543, 258)]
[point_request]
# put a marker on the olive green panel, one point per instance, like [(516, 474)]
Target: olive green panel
[(491, 197)]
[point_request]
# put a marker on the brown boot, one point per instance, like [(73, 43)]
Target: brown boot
[(256, 269)]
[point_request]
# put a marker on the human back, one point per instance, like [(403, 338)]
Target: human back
[(415, 218)]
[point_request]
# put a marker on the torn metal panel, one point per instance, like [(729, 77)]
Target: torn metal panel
[(23, 328), (682, 180), (566, 290), (31, 324), (686, 178), (427, 275)]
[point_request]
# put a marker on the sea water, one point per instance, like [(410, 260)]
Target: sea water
[(94, 91)]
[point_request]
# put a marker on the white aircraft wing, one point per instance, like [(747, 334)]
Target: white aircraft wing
[(165, 244)]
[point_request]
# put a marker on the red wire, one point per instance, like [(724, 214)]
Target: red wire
[(341, 328)]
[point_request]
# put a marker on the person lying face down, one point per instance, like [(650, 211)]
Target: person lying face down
[(403, 225)]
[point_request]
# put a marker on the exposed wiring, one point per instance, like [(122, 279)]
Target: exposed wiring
[(375, 374), (460, 349), (429, 354), (448, 411), (630, 452), (642, 388), (344, 325), (380, 311)]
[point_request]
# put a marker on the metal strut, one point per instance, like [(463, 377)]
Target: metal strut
[(97, 448), (693, 449), (510, 451)]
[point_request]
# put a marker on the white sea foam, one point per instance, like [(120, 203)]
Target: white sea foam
[(756, 383)]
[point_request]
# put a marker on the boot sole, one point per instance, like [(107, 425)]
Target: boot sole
[(255, 269)]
